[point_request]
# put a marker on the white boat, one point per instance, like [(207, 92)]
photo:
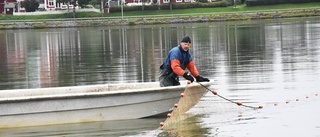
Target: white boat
[(62, 105)]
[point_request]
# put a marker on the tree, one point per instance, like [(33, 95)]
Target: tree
[(30, 5), (83, 3), (95, 3)]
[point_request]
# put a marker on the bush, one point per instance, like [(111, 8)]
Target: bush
[(194, 5), (205, 1), (125, 8), (231, 2), (151, 7), (30, 5), (272, 2)]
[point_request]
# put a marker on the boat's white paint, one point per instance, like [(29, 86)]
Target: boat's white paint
[(46, 106)]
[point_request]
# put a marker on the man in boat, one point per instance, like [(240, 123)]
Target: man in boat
[(178, 59)]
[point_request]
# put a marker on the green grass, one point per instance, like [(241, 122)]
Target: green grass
[(191, 11), (282, 6), (239, 8)]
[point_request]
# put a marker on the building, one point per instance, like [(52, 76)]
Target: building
[(46, 5), (7, 6), (10, 6), (2, 2), (174, 1), (18, 7), (138, 2), (54, 5), (146, 2)]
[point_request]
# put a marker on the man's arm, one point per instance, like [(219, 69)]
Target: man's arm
[(192, 68), (175, 65)]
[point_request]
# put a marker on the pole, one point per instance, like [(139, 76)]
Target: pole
[(122, 9), (102, 7)]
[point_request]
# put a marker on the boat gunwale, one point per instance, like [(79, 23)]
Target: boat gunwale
[(97, 94)]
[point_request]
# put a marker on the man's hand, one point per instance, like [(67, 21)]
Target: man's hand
[(201, 79), (187, 76)]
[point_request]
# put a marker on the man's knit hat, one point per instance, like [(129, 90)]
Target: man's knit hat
[(186, 39)]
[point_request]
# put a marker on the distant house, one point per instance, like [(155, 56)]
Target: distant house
[(175, 1), (138, 2), (147, 2), (2, 6), (7, 6), (54, 5), (18, 7), (10, 6), (45, 5)]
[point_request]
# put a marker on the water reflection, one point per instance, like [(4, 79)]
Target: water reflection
[(256, 62), (62, 57), (105, 129), (81, 56), (186, 126), (148, 127)]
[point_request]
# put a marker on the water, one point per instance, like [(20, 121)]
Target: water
[(266, 63)]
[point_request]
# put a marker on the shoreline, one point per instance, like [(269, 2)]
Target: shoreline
[(128, 21)]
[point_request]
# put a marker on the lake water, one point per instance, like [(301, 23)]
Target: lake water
[(273, 63)]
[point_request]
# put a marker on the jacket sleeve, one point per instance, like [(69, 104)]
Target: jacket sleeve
[(192, 68), (175, 65)]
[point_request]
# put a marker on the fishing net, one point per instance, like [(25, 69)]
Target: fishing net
[(189, 98)]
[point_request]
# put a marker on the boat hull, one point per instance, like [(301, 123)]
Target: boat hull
[(103, 105)]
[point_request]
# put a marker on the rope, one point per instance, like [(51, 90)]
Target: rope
[(231, 101)]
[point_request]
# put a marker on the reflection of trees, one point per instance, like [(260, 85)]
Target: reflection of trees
[(121, 54), (234, 52), (116, 55), (296, 48), (247, 52), (4, 76)]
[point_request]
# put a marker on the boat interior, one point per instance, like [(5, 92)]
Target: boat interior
[(110, 88)]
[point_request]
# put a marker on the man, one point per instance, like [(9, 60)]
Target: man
[(178, 59)]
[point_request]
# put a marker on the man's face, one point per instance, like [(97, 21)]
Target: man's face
[(185, 46)]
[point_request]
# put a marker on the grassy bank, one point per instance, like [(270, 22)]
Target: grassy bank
[(230, 9), (241, 12), (155, 13)]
